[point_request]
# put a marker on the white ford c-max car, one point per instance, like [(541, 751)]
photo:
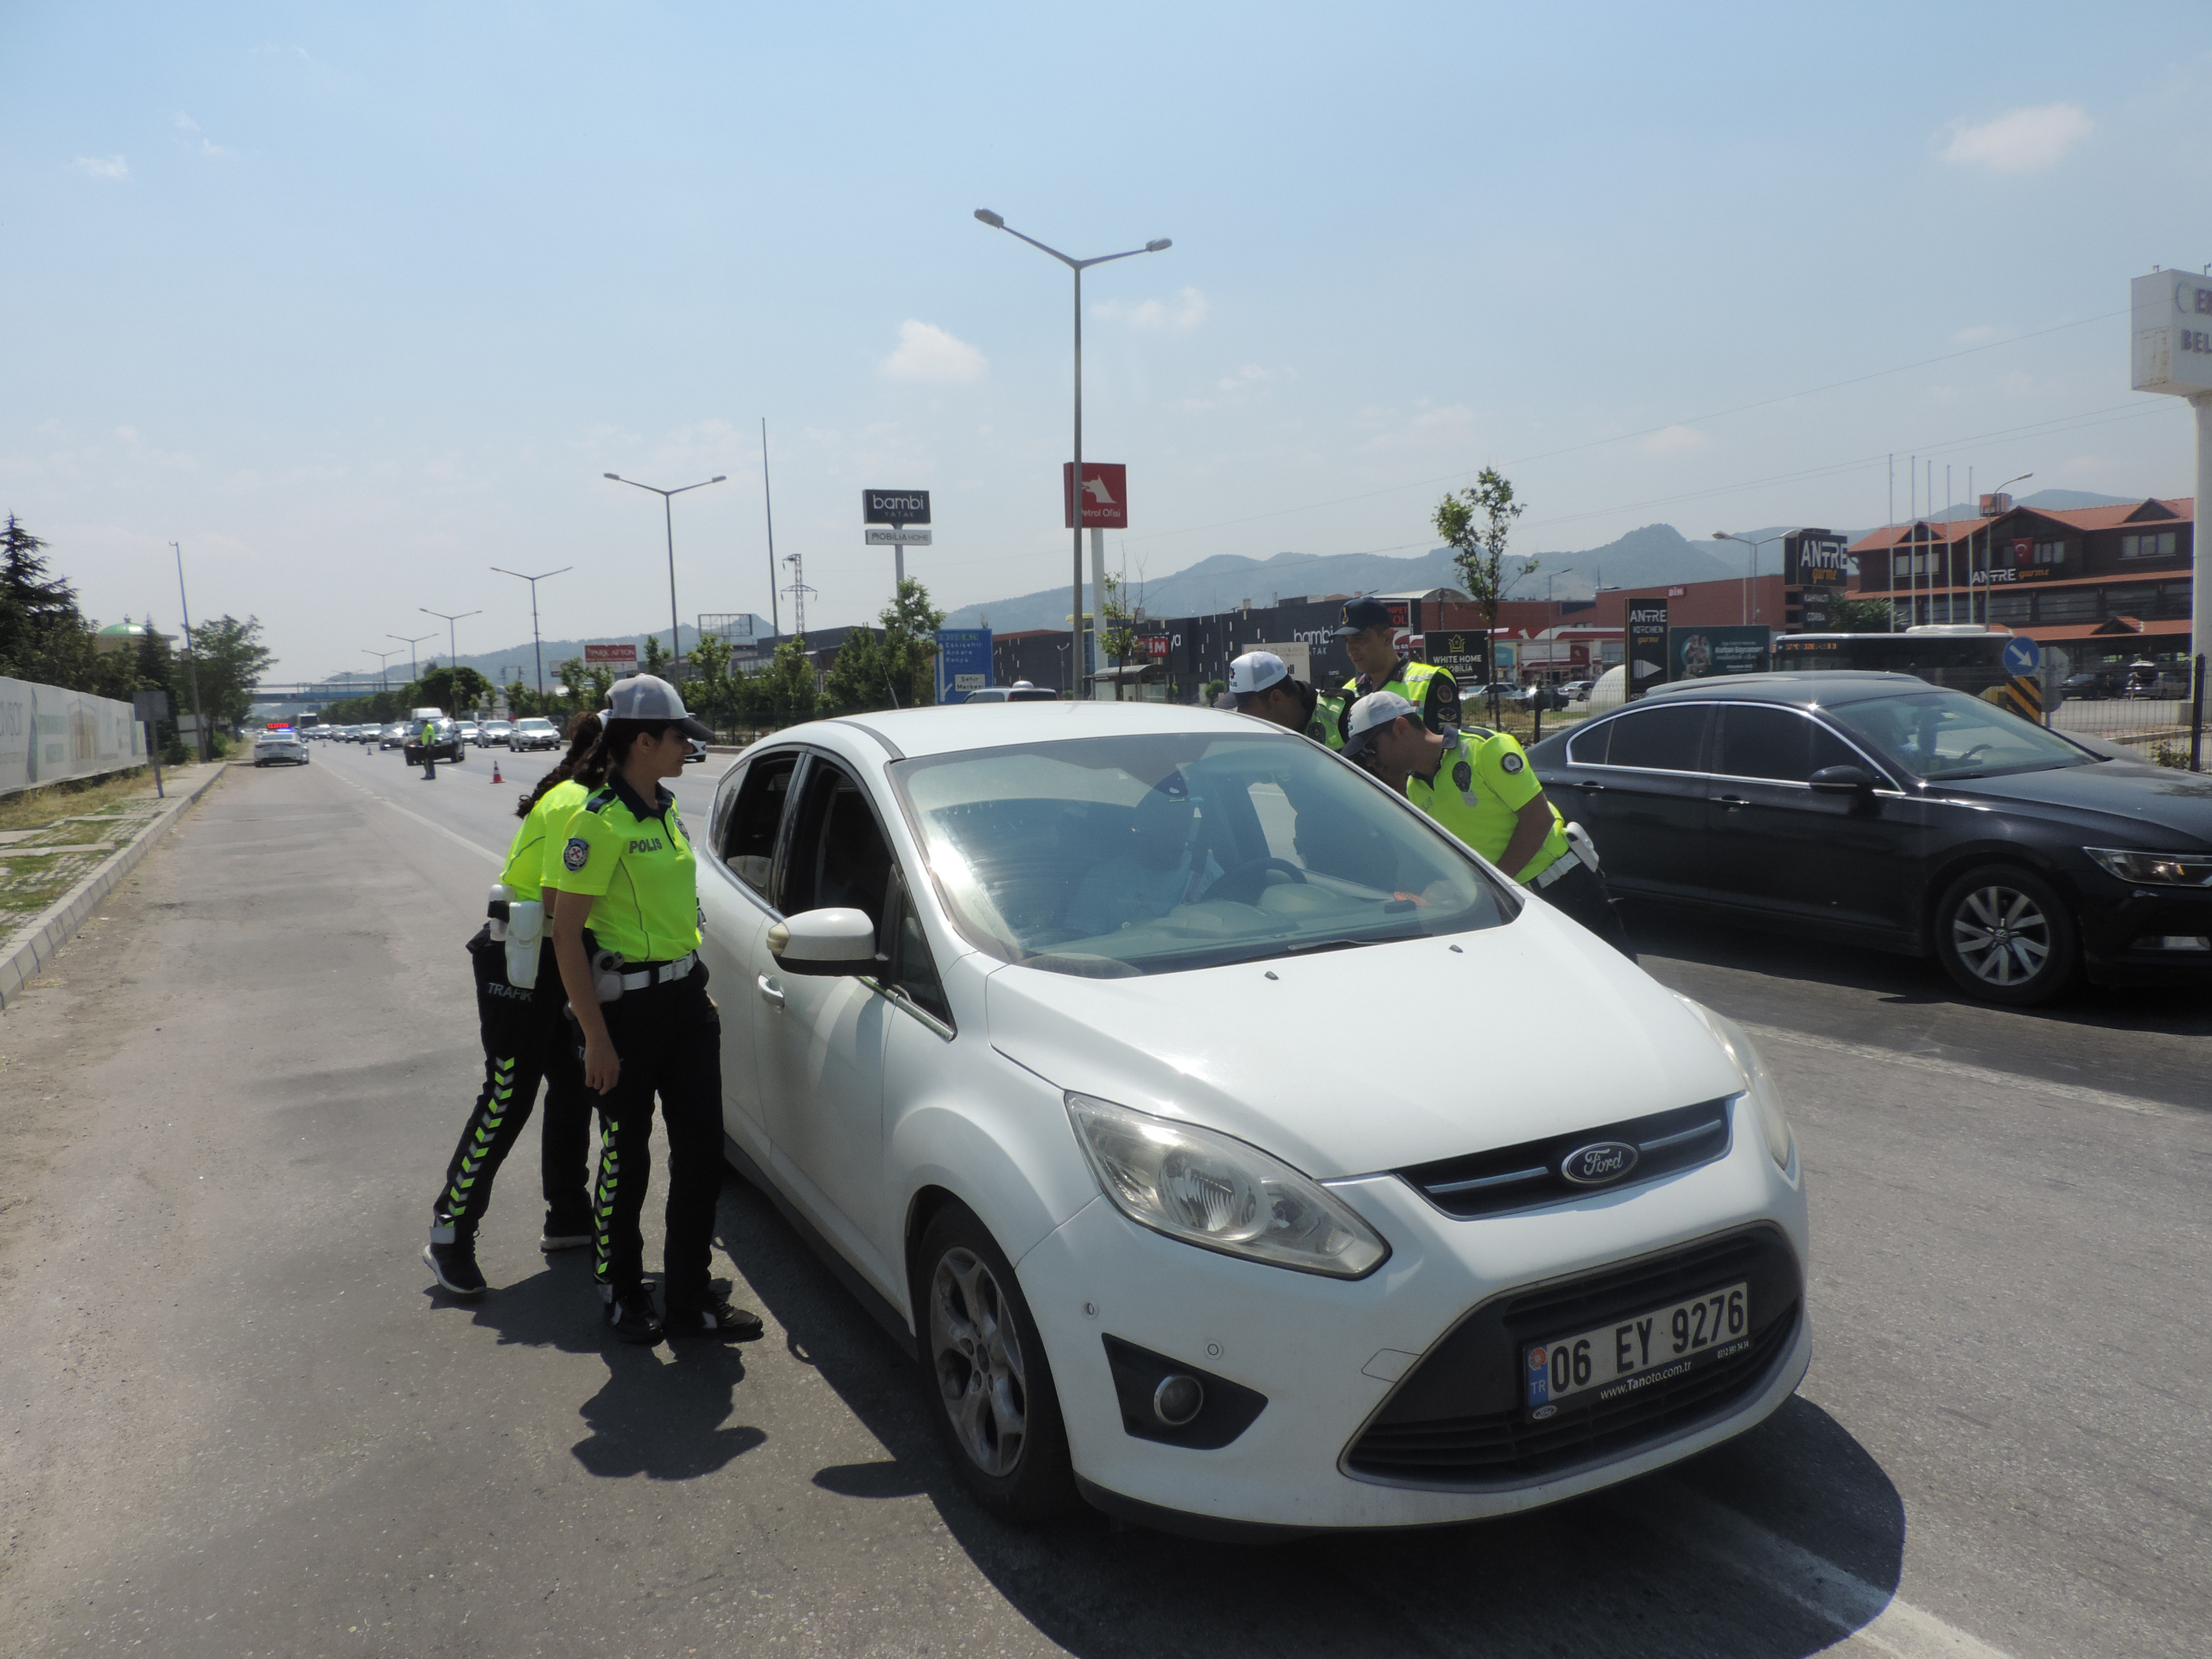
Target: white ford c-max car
[(1230, 1145)]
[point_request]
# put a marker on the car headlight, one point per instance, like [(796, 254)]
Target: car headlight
[(1758, 1084), (2155, 869), (1220, 1193)]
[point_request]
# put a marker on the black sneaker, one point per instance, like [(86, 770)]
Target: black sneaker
[(455, 1264), (564, 1232), (717, 1321), (631, 1315)]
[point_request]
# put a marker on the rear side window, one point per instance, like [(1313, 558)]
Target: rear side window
[(749, 839), (1657, 740)]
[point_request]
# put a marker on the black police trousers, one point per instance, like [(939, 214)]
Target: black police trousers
[(525, 1039), (1583, 894), (669, 1039)]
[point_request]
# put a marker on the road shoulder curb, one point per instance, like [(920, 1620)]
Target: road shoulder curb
[(31, 947)]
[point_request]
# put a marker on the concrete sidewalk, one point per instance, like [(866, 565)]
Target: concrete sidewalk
[(101, 850)]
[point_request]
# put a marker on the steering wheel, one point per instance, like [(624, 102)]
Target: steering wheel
[(1257, 868)]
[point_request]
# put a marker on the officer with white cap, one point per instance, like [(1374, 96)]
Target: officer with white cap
[(1479, 785), (1261, 683)]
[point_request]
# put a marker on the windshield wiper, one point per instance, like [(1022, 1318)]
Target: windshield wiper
[(1303, 946)]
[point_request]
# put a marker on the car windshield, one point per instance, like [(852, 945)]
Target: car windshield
[(1938, 735), (1111, 857)]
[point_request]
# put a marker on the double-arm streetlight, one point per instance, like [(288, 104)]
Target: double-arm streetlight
[(370, 651), (537, 651), (453, 646), (668, 521), (1723, 536), (1075, 504), (413, 672)]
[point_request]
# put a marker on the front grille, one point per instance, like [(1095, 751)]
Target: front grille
[(1526, 1176), (1457, 1421)]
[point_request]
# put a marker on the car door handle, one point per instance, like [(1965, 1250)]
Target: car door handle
[(770, 991), (1731, 802)]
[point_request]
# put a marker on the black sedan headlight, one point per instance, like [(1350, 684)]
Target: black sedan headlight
[(2155, 869)]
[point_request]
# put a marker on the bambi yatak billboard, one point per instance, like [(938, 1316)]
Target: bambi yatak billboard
[(2172, 313)]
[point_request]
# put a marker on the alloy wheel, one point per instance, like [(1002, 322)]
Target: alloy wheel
[(2001, 935), (976, 1352)]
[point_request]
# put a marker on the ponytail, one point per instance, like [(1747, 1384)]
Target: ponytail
[(607, 756), (583, 734)]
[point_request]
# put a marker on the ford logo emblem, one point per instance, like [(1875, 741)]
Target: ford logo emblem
[(1599, 1164)]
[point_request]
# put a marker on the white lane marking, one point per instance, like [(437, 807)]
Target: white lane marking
[(477, 848), (1943, 1068), (1871, 1616)]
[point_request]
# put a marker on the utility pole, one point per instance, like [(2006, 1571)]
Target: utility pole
[(192, 656)]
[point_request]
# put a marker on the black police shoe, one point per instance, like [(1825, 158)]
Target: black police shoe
[(564, 1232), (717, 1321), (631, 1315), (455, 1264)]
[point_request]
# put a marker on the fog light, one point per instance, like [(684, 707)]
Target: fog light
[(1177, 1400), (2174, 942)]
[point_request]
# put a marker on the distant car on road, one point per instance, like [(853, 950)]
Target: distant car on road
[(2167, 685), (445, 744), (468, 730), (1879, 809), (494, 731), (394, 736), (280, 744), (2094, 686), (1020, 691), (532, 733)]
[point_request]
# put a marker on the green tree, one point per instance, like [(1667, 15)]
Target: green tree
[(909, 625), (786, 694), (708, 692), (656, 660), (43, 635), (232, 660), (1475, 525), (456, 690), (1121, 639), (1862, 616)]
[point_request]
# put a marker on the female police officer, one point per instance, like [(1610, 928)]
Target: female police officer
[(638, 993), (524, 1039)]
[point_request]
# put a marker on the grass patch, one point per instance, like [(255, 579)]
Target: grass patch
[(34, 809)]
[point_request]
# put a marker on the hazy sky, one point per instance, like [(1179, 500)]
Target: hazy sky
[(357, 301)]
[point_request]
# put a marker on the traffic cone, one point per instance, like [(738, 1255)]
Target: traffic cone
[(495, 768)]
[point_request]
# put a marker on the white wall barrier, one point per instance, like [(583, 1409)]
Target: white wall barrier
[(47, 735)]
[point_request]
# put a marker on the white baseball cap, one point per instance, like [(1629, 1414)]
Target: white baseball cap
[(1256, 671), (648, 696), (1368, 716)]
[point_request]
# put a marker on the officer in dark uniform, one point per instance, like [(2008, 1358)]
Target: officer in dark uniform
[(1370, 640)]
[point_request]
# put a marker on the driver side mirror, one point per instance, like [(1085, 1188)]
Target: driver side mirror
[(826, 944), (1842, 781)]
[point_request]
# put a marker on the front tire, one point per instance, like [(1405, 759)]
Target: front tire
[(2004, 935), (985, 1367)]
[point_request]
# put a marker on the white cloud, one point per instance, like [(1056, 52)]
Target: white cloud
[(113, 168), (1981, 334), (928, 353), (207, 146), (1187, 311), (1675, 440), (2024, 141)]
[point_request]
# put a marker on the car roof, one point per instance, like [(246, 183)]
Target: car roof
[(1817, 686), (913, 733)]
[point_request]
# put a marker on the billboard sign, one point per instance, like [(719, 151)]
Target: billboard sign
[(1704, 653), (1647, 646), (1459, 654), (894, 507), (2172, 325), (964, 662), (897, 536), (1815, 558), (1105, 495), (613, 656), (1818, 611)]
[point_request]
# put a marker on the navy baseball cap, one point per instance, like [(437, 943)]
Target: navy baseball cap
[(1361, 614)]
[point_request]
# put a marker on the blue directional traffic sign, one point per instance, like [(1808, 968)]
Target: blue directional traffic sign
[(2022, 657)]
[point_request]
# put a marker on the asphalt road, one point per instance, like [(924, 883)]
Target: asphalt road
[(237, 1422)]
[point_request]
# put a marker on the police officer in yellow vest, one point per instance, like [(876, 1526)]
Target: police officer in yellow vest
[(427, 737), (1261, 684), (1479, 785), (1370, 640)]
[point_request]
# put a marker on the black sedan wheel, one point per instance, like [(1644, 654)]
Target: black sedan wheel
[(985, 1366), (2004, 936)]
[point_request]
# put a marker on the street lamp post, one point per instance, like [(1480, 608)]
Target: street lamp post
[(537, 651), (1723, 536), (413, 672), (369, 651), (668, 521), (192, 656), (1999, 491), (453, 645), (1078, 266)]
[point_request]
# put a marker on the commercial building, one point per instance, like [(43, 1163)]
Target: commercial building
[(2108, 584)]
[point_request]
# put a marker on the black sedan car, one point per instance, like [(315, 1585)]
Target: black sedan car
[(1883, 811)]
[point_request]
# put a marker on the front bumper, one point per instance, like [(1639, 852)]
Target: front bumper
[(2117, 919), (1332, 1357)]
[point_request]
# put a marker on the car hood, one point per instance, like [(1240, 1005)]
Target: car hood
[(2139, 800), (1354, 1061)]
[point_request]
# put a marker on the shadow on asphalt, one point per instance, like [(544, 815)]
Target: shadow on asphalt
[(1620, 1572), (1672, 935), (666, 1417)]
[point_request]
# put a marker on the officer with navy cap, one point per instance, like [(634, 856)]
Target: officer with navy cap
[(1479, 785), (1370, 638)]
